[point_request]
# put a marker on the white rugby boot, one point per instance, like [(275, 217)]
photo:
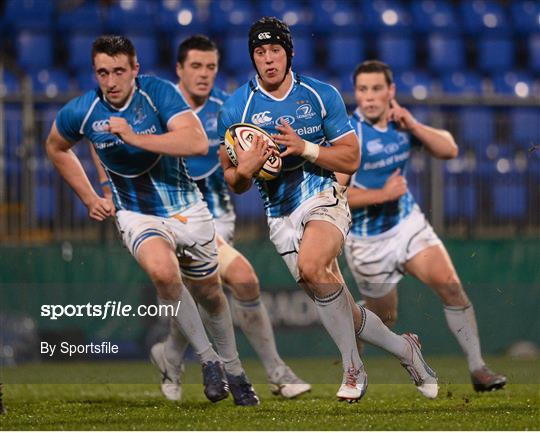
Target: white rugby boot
[(354, 385), (171, 386), (422, 375), (284, 382)]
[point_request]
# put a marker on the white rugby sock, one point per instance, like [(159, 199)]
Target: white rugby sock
[(175, 344), (252, 317), (336, 316), (462, 323), (220, 327), (190, 324), (374, 331)]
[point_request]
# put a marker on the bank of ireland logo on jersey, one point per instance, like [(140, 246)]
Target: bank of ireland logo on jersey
[(261, 119), (287, 118), (100, 126), (305, 111)]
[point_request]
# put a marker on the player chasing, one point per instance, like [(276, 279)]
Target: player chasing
[(197, 67), (307, 211), (390, 235), (141, 128)]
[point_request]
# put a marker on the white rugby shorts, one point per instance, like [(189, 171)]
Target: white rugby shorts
[(286, 232), (377, 263), (192, 236)]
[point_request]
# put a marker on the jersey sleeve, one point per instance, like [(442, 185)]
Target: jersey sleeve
[(69, 121), (225, 119), (336, 123), (168, 100)]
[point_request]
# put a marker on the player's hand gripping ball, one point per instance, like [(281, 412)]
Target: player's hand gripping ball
[(245, 132)]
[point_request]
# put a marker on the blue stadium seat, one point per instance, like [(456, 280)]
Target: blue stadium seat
[(133, 16), (236, 55), (415, 83), (86, 80), (79, 48), (232, 16), (534, 51), (509, 196), (45, 199), (13, 131), (147, 51), (481, 16), (525, 126), (433, 15), (9, 83), (459, 196), (335, 17), (87, 17), (34, 51), (384, 15), (398, 51), (525, 15), (182, 15), (50, 81), (477, 128), (30, 15), (292, 12), (344, 52), (248, 206), (164, 73), (462, 83), (495, 53), (517, 83), (304, 53), (446, 52)]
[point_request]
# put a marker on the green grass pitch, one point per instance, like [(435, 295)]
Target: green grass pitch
[(391, 403)]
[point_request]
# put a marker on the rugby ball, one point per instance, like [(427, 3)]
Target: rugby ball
[(245, 132)]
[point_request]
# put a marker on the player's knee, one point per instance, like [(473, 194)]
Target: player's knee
[(312, 272), (246, 291), (452, 292), (210, 296), (164, 277)]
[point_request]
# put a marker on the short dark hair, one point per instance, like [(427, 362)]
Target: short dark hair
[(196, 42), (113, 45), (374, 66)]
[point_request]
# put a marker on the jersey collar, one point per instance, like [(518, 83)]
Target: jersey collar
[(358, 114), (293, 82)]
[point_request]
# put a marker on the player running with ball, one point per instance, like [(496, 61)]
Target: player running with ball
[(307, 211)]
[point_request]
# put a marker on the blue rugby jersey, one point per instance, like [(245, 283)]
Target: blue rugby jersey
[(383, 152), (141, 181), (315, 110), (206, 170)]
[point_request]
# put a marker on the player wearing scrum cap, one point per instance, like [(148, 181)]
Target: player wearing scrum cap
[(197, 67), (306, 209)]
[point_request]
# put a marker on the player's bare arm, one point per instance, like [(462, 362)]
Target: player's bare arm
[(70, 168), (342, 156), (103, 180), (394, 187), (438, 142), (250, 161), (185, 136)]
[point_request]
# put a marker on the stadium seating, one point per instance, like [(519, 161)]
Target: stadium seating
[(231, 16), (397, 51), (460, 199), (533, 45), (30, 15), (525, 15), (293, 12), (147, 51), (34, 50), (433, 15), (235, 59), (336, 17), (416, 83), (477, 128), (338, 45), (525, 126), (50, 82), (462, 83), (86, 17), (483, 16), (180, 16), (131, 16), (79, 47), (446, 52), (8, 83), (514, 83), (495, 53), (384, 15)]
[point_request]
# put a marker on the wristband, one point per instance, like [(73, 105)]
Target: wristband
[(104, 184), (311, 151)]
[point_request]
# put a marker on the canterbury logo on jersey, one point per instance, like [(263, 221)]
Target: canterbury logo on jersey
[(100, 125), (261, 118)]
